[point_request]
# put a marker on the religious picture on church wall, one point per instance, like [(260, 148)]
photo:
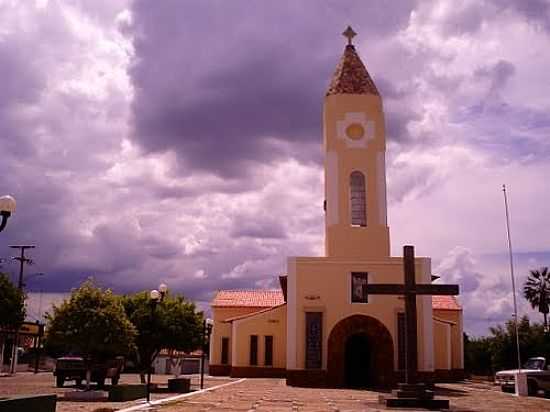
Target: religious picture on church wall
[(314, 336), (359, 287)]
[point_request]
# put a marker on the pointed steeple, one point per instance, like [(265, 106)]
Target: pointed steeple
[(351, 76)]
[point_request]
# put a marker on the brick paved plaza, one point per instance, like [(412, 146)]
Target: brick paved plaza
[(44, 383), (272, 395)]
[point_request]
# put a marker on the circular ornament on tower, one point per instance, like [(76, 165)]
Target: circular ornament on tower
[(355, 131)]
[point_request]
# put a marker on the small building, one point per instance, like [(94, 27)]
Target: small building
[(322, 328), (173, 362)]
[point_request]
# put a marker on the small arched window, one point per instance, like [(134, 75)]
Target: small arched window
[(358, 199)]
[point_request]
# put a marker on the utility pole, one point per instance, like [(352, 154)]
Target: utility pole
[(22, 260), (511, 256)]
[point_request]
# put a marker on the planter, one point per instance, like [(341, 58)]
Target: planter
[(35, 403), (123, 393), (179, 385)]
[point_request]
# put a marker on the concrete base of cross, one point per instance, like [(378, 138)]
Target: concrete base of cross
[(413, 396)]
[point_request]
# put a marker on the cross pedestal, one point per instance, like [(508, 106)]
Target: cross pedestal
[(412, 393)]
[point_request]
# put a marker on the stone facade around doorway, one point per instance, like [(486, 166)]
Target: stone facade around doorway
[(380, 362)]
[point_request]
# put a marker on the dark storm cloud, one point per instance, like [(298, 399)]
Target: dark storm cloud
[(21, 84), (498, 74), (468, 17), (217, 81), (230, 87), (522, 136), (258, 227), (535, 11)]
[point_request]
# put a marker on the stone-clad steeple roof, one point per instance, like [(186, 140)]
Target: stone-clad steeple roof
[(351, 76)]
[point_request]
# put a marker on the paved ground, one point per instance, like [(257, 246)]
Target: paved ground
[(28, 383), (272, 395)]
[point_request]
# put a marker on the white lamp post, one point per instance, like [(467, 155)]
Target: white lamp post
[(7, 207), (155, 296)]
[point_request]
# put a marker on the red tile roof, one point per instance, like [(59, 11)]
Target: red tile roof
[(259, 298), (262, 298), (445, 303)]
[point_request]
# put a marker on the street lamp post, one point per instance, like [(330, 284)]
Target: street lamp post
[(7, 207), (206, 332), (155, 297)]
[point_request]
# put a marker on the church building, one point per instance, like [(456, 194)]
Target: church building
[(322, 328)]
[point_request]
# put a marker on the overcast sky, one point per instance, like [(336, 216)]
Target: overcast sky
[(180, 141)]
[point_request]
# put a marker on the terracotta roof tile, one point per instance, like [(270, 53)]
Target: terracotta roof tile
[(258, 298), (351, 76), (445, 303), (267, 298)]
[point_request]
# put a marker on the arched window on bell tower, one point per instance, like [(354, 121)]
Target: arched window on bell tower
[(358, 199)]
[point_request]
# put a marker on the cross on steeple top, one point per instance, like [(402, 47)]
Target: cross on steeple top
[(349, 34)]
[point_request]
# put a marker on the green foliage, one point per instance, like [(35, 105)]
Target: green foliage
[(487, 355), (92, 322), (532, 342), (537, 291), (12, 304), (477, 355), (174, 324)]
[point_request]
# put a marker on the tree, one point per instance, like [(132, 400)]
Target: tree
[(537, 291), (503, 347), (12, 305), (12, 309), (477, 355), (487, 355), (92, 322), (173, 324)]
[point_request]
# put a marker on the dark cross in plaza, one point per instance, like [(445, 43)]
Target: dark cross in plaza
[(410, 289)]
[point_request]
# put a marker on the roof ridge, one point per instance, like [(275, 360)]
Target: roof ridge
[(250, 290)]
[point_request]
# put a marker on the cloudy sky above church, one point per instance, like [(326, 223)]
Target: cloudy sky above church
[(181, 140)]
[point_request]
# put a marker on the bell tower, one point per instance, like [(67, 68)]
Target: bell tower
[(355, 171)]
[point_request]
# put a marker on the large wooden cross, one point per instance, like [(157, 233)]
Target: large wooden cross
[(410, 289)]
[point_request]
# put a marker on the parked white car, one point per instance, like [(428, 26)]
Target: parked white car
[(538, 376)]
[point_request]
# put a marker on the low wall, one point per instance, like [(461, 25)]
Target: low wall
[(257, 372), (311, 378), (124, 393), (318, 378), (34, 403), (219, 370)]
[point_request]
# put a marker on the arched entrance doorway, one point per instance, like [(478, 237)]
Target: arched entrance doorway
[(360, 353), (357, 361)]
